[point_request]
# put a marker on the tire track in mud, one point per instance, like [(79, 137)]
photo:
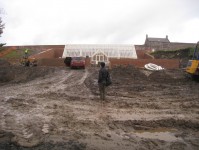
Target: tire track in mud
[(74, 86), (23, 129), (67, 82), (12, 120), (61, 82)]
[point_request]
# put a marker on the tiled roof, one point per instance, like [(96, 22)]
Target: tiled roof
[(158, 40)]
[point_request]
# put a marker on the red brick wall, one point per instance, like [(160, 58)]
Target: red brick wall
[(41, 47), (51, 62), (175, 45), (46, 54), (170, 46), (56, 62), (142, 54), (50, 53), (87, 61), (58, 52), (166, 63), (142, 47)]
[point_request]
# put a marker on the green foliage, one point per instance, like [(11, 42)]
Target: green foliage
[(13, 54), (1, 46), (18, 53), (1, 49), (1, 26), (191, 51), (173, 54)]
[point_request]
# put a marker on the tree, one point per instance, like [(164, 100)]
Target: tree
[(1, 23), (1, 26), (1, 30)]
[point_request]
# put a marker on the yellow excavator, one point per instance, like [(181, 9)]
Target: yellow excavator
[(26, 61), (193, 65)]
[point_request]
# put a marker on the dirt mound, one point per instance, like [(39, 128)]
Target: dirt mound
[(131, 74), (4, 63), (167, 76), (126, 72), (135, 79), (120, 76), (22, 74)]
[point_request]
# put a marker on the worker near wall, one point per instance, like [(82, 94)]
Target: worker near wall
[(26, 53), (103, 73)]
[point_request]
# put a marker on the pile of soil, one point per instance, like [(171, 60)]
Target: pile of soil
[(167, 76), (19, 74), (125, 72), (135, 78), (4, 63)]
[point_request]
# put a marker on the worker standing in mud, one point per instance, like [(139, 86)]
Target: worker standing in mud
[(103, 73)]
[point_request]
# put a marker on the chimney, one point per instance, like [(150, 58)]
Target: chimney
[(146, 36), (166, 36)]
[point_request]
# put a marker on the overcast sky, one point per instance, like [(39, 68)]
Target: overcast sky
[(29, 22)]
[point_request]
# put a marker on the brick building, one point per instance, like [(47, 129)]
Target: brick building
[(157, 43), (152, 43)]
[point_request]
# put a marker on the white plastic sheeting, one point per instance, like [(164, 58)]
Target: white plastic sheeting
[(152, 67), (110, 50)]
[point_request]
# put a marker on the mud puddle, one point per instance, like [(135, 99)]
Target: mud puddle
[(164, 134)]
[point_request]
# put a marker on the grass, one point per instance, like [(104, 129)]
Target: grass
[(13, 54), (18, 53)]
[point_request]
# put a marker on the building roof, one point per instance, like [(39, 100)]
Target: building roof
[(158, 39)]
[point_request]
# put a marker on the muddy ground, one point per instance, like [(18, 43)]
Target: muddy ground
[(58, 109)]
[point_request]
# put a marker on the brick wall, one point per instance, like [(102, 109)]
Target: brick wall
[(58, 52), (50, 53), (87, 61), (170, 46), (41, 47), (45, 54), (175, 45), (143, 54), (166, 63), (51, 62), (56, 62), (142, 47)]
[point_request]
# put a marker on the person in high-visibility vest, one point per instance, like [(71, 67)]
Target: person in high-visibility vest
[(26, 53)]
